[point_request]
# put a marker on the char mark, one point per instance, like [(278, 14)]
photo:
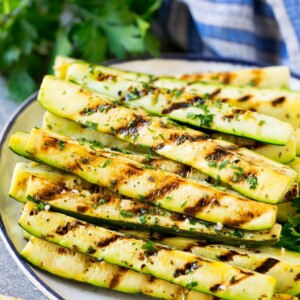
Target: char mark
[(133, 126), (220, 153), (62, 230), (106, 241), (202, 203), (244, 98), (187, 268), (244, 218), (292, 193), (106, 77), (175, 106), (214, 93), (184, 170), (160, 192), (115, 280), (278, 101), (82, 208), (228, 256), (179, 139), (297, 277), (215, 288), (268, 264)]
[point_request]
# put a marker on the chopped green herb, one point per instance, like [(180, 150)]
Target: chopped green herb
[(126, 214), (85, 160), (90, 250), (41, 206), (106, 163), (183, 204), (238, 233), (212, 164), (150, 248), (169, 198), (252, 180), (142, 219), (61, 145), (141, 197), (192, 221), (113, 184), (261, 122), (223, 164), (178, 93), (192, 284), (91, 125), (238, 174)]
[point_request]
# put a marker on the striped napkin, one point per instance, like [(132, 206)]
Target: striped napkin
[(266, 31)]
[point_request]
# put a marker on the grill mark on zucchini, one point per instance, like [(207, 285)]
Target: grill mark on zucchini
[(248, 216), (184, 170), (175, 106), (214, 93), (278, 101), (187, 268), (181, 138), (62, 230), (165, 189), (244, 98), (297, 277), (105, 242), (82, 208), (133, 126), (116, 279), (268, 264), (234, 115), (228, 256)]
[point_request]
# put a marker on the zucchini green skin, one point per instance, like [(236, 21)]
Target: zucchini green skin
[(67, 263), (263, 260), (183, 106), (281, 154), (188, 146), (274, 76), (146, 257), (126, 213), (137, 181)]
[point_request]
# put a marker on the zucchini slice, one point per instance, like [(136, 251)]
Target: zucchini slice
[(69, 264), (269, 77), (73, 265), (245, 171), (263, 260), (137, 181), (273, 77), (178, 267), (183, 106), (102, 208)]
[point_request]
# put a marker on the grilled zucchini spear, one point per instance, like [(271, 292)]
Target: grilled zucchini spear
[(178, 267), (282, 154), (72, 265), (135, 180), (183, 106), (281, 104), (285, 267), (245, 171), (273, 77), (104, 208)]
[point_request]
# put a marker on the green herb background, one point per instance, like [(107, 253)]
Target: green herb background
[(33, 32)]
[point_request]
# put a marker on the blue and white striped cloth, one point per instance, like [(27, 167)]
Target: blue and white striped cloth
[(266, 31)]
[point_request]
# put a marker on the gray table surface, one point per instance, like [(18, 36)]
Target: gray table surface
[(12, 281)]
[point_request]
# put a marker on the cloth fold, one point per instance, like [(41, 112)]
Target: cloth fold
[(266, 31)]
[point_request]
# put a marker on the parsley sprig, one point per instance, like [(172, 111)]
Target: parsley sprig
[(33, 32)]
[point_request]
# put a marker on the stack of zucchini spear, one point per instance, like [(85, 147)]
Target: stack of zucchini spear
[(165, 186)]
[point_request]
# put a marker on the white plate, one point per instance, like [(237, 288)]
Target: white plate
[(29, 115)]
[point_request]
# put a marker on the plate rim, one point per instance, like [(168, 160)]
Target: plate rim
[(22, 264)]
